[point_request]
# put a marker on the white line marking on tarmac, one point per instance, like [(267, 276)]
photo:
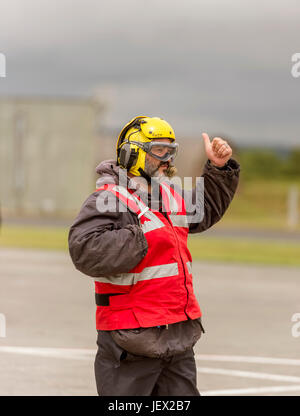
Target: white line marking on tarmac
[(67, 353), (85, 353), (247, 359), (88, 354), (248, 374), (252, 390)]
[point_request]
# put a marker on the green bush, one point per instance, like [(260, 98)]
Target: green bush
[(267, 164)]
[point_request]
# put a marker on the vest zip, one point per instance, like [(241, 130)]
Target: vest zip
[(181, 262), (187, 292)]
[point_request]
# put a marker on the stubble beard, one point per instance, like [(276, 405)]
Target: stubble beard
[(152, 169)]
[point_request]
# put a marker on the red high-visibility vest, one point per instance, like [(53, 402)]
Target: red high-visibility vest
[(159, 290)]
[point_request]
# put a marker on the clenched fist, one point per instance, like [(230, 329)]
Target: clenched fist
[(218, 151)]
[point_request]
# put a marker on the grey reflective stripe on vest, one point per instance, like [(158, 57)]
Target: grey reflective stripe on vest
[(123, 191), (151, 272), (172, 201), (189, 266), (155, 222), (179, 220)]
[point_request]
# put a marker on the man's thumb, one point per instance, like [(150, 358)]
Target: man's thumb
[(206, 140)]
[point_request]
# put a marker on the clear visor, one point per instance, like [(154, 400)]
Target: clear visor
[(163, 151), (160, 150)]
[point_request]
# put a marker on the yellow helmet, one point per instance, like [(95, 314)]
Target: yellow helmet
[(135, 139)]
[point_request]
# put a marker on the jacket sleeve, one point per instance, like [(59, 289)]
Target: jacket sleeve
[(219, 187), (100, 244)]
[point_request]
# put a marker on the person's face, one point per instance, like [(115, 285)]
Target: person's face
[(155, 167)]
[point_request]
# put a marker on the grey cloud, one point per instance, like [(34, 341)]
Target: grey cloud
[(209, 65)]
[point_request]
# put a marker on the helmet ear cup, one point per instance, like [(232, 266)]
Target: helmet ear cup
[(127, 156)]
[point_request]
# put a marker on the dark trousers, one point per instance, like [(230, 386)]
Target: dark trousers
[(119, 373)]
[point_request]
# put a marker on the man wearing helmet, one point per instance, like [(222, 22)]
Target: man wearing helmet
[(155, 137), (135, 247)]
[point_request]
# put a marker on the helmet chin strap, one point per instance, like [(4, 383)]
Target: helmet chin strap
[(144, 174)]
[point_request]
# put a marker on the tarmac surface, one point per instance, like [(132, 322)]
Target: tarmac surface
[(217, 231), (48, 337)]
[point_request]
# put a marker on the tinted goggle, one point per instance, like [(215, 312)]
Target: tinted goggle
[(160, 150)]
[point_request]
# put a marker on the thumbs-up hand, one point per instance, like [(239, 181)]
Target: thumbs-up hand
[(218, 151)]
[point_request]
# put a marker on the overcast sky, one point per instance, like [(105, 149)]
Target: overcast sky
[(218, 66)]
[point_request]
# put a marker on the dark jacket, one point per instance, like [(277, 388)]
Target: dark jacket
[(107, 243), (102, 243)]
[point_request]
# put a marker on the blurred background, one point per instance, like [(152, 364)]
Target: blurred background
[(76, 72)]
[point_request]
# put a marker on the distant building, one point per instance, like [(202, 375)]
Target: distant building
[(48, 153), (49, 149)]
